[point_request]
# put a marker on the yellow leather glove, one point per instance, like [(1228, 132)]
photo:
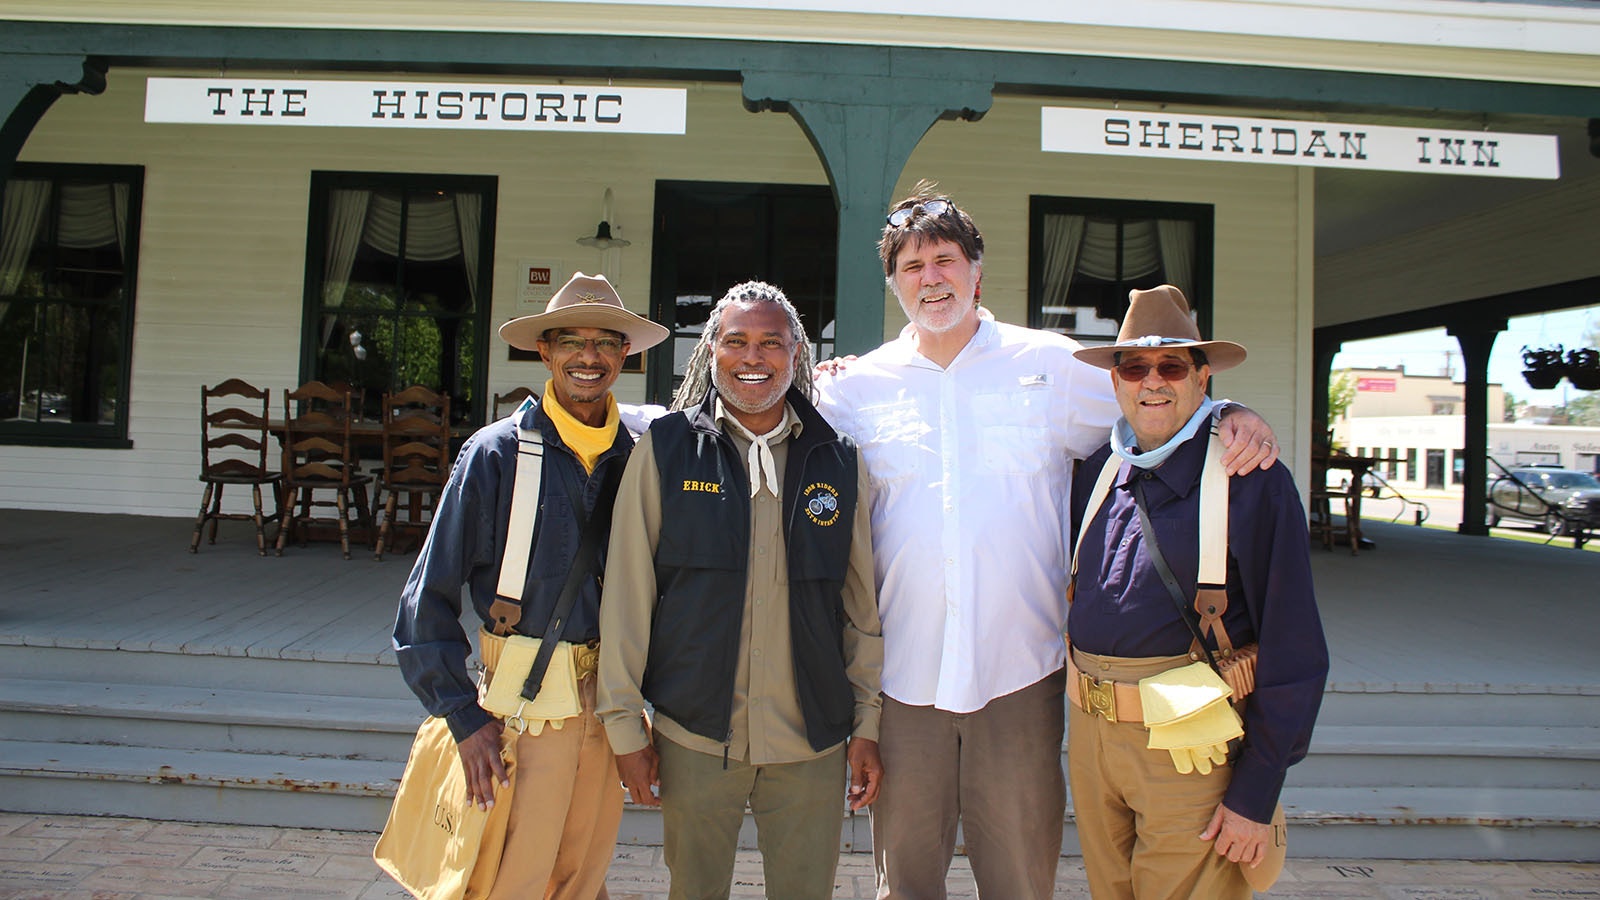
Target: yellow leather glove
[(1198, 741), (1188, 714)]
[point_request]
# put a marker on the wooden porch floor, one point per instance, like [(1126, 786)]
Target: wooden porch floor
[(1428, 611)]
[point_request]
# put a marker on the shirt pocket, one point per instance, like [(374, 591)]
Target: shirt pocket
[(892, 439), (1014, 436)]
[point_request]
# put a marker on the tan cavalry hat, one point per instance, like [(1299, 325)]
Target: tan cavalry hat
[(585, 301), (1160, 317)]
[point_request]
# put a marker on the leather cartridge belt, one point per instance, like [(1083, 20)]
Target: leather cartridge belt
[(585, 657), (1115, 695), (1115, 701)]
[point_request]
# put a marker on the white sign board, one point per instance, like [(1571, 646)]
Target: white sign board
[(416, 104), (1173, 135)]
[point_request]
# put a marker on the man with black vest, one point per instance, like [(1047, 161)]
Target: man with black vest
[(739, 604)]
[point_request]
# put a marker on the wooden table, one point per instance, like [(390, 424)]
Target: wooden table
[(1358, 467), (365, 435)]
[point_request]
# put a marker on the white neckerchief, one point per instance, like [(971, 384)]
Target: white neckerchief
[(1126, 445), (763, 468)]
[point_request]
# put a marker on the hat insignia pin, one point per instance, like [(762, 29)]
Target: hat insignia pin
[(587, 297)]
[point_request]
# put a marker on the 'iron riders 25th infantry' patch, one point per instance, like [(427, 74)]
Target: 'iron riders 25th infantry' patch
[(822, 503)]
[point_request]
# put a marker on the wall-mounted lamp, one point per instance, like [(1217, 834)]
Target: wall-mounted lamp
[(602, 239)]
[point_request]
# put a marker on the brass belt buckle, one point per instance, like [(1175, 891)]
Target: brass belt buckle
[(1099, 697), (586, 659)]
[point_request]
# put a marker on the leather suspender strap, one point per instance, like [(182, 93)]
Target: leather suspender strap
[(1097, 497), (1211, 594), (507, 608)]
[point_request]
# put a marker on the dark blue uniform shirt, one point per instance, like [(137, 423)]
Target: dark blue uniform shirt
[(464, 547), (1121, 607)]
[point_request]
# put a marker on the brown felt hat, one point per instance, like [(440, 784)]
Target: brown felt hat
[(1160, 318), (585, 301)]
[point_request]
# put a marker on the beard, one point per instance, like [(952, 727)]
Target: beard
[(749, 398)]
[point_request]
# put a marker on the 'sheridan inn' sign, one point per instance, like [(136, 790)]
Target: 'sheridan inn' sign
[(1172, 135), (415, 104)]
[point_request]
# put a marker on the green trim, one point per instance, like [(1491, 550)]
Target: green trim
[(893, 72)]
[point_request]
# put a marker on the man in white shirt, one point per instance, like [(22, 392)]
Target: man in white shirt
[(969, 428)]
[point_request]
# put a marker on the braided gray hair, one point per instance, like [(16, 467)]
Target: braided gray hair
[(697, 374)]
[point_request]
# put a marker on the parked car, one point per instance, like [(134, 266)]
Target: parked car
[(1528, 494)]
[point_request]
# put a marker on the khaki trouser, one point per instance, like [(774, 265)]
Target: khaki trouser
[(565, 810), (799, 813), (997, 771), (1139, 820)]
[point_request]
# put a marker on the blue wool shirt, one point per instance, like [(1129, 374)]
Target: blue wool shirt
[(1121, 607), (464, 547)]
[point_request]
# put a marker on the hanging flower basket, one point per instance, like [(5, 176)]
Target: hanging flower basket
[(1583, 369), (1543, 368)]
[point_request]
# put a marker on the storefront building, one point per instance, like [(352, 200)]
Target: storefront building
[(293, 191)]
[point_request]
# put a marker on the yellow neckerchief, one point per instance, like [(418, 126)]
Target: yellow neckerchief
[(585, 440)]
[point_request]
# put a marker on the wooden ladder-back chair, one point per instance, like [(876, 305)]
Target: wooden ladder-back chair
[(233, 450), (507, 403), (416, 461), (320, 457)]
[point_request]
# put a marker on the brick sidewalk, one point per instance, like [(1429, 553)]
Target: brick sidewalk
[(89, 858)]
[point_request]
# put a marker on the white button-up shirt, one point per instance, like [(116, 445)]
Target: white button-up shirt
[(971, 472)]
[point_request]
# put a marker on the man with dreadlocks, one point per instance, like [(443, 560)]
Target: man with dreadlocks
[(750, 623)]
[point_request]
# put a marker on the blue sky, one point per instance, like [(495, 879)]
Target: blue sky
[(1430, 352)]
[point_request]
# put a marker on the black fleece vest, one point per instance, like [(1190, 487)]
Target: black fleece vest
[(701, 561)]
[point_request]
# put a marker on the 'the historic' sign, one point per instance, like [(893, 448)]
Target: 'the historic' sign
[(1174, 135), (415, 104)]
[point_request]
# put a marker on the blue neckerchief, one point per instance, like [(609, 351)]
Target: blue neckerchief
[(1125, 445)]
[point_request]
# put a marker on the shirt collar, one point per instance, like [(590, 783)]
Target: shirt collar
[(791, 425), (1181, 472), (903, 349)]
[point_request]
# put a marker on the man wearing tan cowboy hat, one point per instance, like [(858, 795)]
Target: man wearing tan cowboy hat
[(1174, 798), (567, 802)]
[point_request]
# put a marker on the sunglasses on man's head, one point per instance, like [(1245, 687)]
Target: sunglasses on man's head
[(1168, 369), (905, 214)]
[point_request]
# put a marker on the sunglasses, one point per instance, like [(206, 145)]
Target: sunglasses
[(905, 214), (1168, 369)]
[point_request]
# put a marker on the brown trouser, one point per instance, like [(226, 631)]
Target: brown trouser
[(997, 771), (1139, 820), (566, 807)]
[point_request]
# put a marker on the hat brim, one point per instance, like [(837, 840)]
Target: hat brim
[(641, 333), (1220, 355)]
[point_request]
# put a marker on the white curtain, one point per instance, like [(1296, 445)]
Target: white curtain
[(25, 205), (431, 232), (1063, 238), (469, 219), (347, 213), (1177, 254)]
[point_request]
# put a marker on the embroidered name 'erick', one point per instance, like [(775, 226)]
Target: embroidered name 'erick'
[(822, 503), (703, 487)]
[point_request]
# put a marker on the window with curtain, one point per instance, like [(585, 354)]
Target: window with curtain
[(69, 237), (1086, 254), (398, 291)]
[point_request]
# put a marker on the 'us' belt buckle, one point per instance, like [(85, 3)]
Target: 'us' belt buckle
[(1099, 697)]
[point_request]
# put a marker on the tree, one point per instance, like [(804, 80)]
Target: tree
[(1341, 393), (1510, 406)]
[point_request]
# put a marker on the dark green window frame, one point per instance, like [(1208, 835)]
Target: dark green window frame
[(1109, 295), (75, 288), (377, 371)]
